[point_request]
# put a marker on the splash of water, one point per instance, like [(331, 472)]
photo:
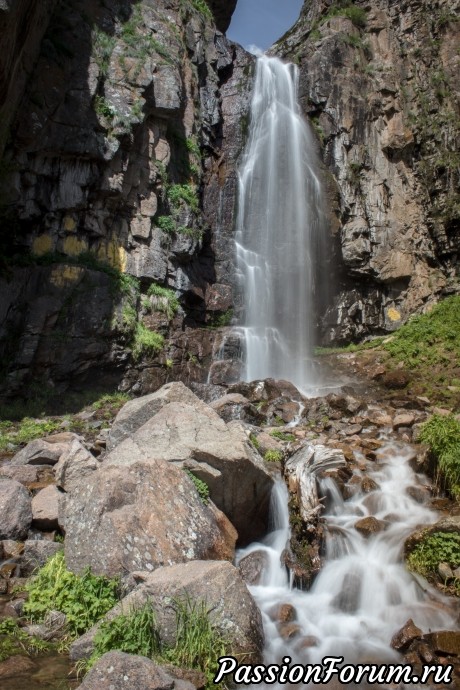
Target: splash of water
[(363, 594), (278, 227)]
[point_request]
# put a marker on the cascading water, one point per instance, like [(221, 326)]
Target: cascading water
[(363, 594), (278, 226)]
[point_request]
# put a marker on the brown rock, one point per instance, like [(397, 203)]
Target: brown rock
[(16, 666), (368, 485), (283, 613), (236, 407), (445, 641), (369, 526), (289, 630), (252, 566), (403, 420), (402, 640), (396, 379)]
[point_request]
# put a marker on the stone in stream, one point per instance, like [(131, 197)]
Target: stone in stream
[(288, 631), (405, 419), (174, 425), (119, 671), (15, 510), (283, 613), (369, 526), (402, 640), (252, 566), (234, 406), (140, 517), (17, 666), (235, 615)]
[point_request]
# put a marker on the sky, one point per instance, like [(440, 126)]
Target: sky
[(261, 22)]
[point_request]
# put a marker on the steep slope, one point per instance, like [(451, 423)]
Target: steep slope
[(380, 83)]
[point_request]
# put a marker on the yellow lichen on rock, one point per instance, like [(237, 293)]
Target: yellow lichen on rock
[(69, 224), (113, 254), (63, 274), (43, 244), (393, 314), (73, 246)]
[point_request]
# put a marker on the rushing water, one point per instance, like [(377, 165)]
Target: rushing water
[(278, 228), (363, 594)]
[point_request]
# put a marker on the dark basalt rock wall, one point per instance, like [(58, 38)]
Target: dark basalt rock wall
[(379, 81)]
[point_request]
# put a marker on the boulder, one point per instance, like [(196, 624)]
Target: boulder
[(402, 640), (35, 554), (27, 475), (444, 641), (40, 452), (192, 435), (74, 464), (45, 508), (121, 519), (369, 526), (120, 671), (252, 566), (15, 510), (267, 390), (236, 407), (235, 615), (404, 419)]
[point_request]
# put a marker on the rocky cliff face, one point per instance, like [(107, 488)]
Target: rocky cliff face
[(117, 190), (379, 81)]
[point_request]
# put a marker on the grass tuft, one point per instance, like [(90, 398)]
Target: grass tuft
[(442, 435)]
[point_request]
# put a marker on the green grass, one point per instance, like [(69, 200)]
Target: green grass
[(442, 435), (429, 339), (198, 644), (165, 300), (439, 547), (146, 342), (201, 487), (27, 430), (355, 14), (351, 347), (202, 7), (282, 436), (179, 193), (84, 599), (166, 223), (14, 641)]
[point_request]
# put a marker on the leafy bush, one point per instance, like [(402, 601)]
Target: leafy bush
[(439, 547), (201, 487), (355, 14), (28, 430), (146, 342), (202, 7), (442, 436), (178, 193), (166, 223), (273, 456), (165, 300), (84, 599)]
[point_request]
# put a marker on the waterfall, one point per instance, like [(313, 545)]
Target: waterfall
[(278, 226)]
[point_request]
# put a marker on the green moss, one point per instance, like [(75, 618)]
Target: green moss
[(83, 599), (282, 436), (436, 548), (146, 342), (442, 435)]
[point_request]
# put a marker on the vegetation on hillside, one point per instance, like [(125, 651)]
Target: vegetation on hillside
[(436, 548), (442, 436)]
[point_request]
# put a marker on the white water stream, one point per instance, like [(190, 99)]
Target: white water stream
[(278, 225), (363, 594)]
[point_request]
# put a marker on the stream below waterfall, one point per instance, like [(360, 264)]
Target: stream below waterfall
[(363, 594)]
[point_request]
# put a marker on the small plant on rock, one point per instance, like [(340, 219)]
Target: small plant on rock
[(201, 487), (273, 456)]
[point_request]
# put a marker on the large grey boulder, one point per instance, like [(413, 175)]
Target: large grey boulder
[(74, 464), (232, 610), (45, 508), (119, 671), (140, 517), (15, 510), (174, 425), (39, 452)]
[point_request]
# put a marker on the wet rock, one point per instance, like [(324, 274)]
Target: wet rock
[(267, 390), (444, 642), (45, 508), (421, 494), (191, 434), (348, 598), (283, 613), (344, 403), (369, 526), (307, 642), (15, 510), (403, 420), (235, 614), (74, 464), (288, 631), (236, 407), (368, 485), (11, 548), (118, 520), (120, 671), (402, 640), (252, 566), (16, 666), (352, 429), (36, 553), (3, 586), (39, 452)]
